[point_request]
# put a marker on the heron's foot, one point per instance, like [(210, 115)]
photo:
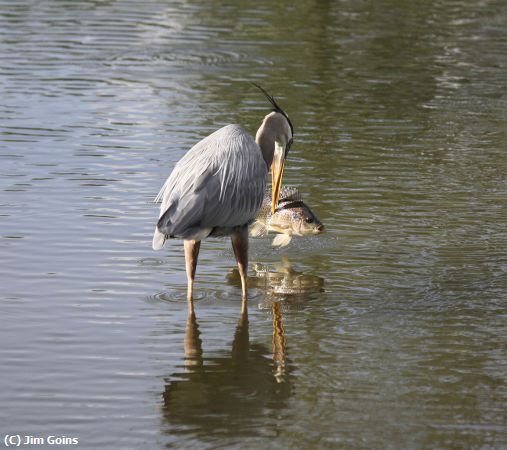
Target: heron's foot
[(244, 305), (244, 289), (190, 301)]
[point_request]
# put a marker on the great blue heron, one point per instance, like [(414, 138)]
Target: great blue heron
[(217, 188)]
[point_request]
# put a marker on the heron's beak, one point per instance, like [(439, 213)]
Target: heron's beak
[(276, 175)]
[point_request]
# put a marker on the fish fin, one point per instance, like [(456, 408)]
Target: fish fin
[(290, 194), (257, 229), (281, 240), (276, 229)]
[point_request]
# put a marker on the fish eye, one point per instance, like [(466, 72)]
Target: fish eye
[(309, 220)]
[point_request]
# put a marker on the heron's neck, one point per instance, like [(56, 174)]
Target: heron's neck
[(266, 141)]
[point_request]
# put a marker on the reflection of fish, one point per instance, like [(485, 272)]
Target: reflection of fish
[(284, 280), (292, 217), (281, 281)]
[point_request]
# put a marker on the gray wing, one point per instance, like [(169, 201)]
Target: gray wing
[(220, 183)]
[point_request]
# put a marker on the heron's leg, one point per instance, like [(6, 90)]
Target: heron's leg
[(191, 255), (240, 246)]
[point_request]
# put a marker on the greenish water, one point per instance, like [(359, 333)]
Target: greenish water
[(399, 110)]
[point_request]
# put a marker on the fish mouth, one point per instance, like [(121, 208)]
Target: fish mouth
[(318, 229), (309, 231)]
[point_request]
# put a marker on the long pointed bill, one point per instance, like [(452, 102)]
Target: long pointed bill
[(276, 177)]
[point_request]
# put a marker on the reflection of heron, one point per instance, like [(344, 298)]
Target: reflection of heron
[(217, 188), (279, 342), (229, 391)]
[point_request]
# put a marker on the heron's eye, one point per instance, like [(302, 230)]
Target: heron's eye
[(309, 220)]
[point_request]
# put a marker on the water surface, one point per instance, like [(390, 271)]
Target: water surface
[(399, 112)]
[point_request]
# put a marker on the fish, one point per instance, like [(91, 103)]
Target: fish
[(292, 217)]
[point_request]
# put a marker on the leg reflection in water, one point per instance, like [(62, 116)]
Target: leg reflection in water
[(192, 344), (278, 342), (228, 390)]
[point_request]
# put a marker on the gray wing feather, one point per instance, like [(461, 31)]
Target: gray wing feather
[(218, 183)]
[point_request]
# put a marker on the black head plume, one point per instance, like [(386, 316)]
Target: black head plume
[(276, 108)]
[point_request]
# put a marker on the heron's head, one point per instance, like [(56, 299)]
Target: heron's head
[(275, 139)]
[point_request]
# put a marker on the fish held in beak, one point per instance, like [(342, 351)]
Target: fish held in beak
[(292, 217)]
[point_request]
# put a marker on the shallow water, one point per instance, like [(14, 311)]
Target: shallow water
[(399, 113)]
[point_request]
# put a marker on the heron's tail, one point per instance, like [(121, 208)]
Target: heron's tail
[(158, 240)]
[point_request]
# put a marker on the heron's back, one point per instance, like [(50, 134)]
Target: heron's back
[(217, 185)]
